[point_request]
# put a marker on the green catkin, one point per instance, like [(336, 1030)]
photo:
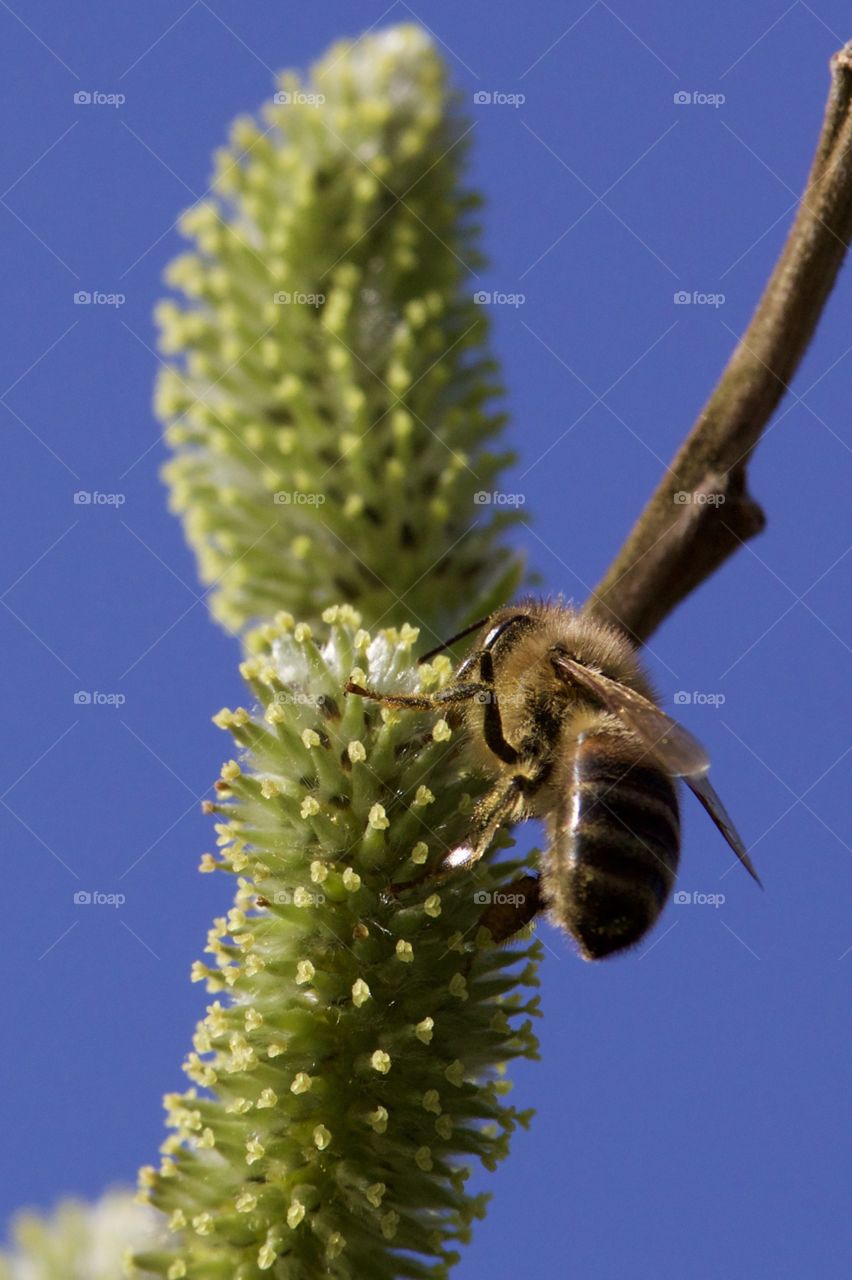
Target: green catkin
[(328, 404), (349, 1068), (348, 1073), (80, 1241)]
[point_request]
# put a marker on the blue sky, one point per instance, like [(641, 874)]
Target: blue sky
[(693, 1097)]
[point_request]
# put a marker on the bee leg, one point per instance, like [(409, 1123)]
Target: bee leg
[(421, 701), (412, 700), (503, 804), (512, 908)]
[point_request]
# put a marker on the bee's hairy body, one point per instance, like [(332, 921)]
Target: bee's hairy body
[(611, 813)]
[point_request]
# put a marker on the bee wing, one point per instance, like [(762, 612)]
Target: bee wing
[(678, 752), (704, 791)]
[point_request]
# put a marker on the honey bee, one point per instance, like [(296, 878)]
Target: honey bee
[(563, 719)]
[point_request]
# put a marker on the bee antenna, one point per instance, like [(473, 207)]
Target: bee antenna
[(448, 644)]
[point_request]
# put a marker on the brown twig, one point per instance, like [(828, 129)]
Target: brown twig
[(702, 510)]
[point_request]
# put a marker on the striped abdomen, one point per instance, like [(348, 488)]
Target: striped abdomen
[(614, 845)]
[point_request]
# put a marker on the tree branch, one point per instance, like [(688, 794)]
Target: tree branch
[(702, 511)]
